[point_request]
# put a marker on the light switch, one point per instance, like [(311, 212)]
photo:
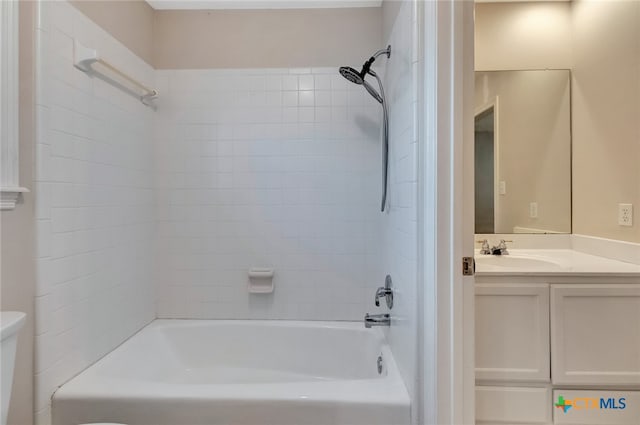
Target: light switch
[(533, 210), (502, 187)]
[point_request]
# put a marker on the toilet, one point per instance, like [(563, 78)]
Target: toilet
[(10, 324)]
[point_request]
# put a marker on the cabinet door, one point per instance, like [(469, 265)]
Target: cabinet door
[(595, 334), (512, 332), (513, 405)]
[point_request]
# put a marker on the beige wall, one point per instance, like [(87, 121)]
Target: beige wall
[(534, 144), (17, 235), (128, 21), (523, 36), (200, 39), (390, 10), (606, 116), (194, 39)]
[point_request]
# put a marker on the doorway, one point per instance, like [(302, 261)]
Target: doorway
[(485, 170)]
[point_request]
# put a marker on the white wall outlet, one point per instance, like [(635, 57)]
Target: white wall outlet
[(502, 187), (533, 210), (625, 214)]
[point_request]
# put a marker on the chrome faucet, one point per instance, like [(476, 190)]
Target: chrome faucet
[(486, 249), (385, 291), (500, 249), (376, 320)]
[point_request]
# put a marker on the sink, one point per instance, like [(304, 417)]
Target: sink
[(516, 263)]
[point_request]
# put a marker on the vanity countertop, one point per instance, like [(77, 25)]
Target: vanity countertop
[(552, 262)]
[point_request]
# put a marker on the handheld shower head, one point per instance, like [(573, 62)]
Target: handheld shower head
[(351, 75), (359, 78), (372, 91)]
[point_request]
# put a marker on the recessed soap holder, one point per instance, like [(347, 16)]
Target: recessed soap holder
[(261, 280)]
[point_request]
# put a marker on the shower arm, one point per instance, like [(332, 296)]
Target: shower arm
[(385, 134), (386, 51), (366, 68)]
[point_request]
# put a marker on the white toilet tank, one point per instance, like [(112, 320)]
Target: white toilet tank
[(10, 324)]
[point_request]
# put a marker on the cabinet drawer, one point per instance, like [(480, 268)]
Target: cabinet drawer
[(595, 334), (597, 407), (512, 332), (511, 405)]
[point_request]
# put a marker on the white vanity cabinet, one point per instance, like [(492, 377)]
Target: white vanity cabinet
[(573, 333), (512, 353), (512, 332), (595, 334)]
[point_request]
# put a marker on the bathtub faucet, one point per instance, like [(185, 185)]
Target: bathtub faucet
[(376, 320)]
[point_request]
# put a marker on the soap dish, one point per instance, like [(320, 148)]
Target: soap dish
[(261, 280)]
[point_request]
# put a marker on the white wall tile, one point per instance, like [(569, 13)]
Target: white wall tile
[(400, 223), (285, 192), (94, 174)]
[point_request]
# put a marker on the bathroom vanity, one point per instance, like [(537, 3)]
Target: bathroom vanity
[(555, 326)]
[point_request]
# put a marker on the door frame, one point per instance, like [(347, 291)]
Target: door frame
[(446, 220), (493, 103)]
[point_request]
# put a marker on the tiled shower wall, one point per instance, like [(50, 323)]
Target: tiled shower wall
[(400, 224), (267, 168), (237, 169), (94, 203)]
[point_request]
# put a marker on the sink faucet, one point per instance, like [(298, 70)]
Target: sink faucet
[(376, 320), (500, 249), (486, 249)]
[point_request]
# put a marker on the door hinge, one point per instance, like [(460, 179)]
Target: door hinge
[(468, 266)]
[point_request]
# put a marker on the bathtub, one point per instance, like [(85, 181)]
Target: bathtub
[(210, 372)]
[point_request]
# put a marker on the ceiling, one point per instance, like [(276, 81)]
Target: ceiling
[(259, 4)]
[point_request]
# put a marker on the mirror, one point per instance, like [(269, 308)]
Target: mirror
[(523, 151)]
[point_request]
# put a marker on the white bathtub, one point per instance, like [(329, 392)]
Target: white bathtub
[(188, 372)]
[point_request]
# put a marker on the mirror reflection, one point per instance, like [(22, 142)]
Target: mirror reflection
[(523, 151)]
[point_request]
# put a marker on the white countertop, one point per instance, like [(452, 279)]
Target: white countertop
[(552, 262)]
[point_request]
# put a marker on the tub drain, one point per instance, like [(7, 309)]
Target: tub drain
[(379, 365)]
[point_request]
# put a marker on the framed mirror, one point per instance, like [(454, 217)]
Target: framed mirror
[(523, 151)]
